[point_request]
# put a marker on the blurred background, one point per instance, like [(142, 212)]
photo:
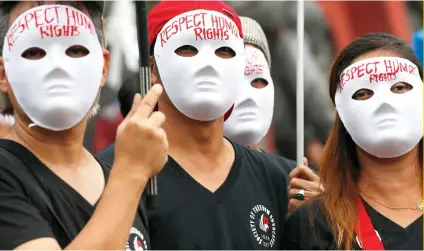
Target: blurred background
[(329, 26)]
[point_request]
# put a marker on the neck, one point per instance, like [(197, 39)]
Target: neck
[(390, 180), (188, 135), (61, 148)]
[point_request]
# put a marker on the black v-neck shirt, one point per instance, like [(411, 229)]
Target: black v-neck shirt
[(36, 203), (302, 235), (246, 212)]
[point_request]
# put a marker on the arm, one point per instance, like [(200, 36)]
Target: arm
[(108, 228)]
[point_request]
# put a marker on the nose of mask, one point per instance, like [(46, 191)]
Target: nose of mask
[(385, 108), (207, 71), (57, 73)]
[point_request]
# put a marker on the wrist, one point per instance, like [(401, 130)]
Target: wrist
[(120, 171)]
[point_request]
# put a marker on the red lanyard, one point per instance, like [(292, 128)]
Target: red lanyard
[(365, 230)]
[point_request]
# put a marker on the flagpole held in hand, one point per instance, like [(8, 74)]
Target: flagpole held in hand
[(143, 88)]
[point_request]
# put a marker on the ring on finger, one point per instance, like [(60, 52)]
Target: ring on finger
[(300, 195)]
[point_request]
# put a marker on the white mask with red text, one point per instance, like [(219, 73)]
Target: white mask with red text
[(387, 120), (252, 115), (203, 87), (57, 90)]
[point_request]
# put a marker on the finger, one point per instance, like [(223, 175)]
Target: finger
[(307, 194), (157, 119), (149, 101), (304, 184), (161, 134), (305, 173), (305, 161), (135, 104), (294, 204)]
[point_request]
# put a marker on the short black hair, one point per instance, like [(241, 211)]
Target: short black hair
[(127, 92)]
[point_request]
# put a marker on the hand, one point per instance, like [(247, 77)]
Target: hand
[(302, 177), (141, 146), (314, 151)]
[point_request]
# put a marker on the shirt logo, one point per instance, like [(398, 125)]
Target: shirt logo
[(136, 241), (263, 226)]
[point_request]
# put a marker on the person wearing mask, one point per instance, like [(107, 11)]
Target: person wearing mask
[(53, 193), (213, 193), (372, 163), (252, 115)]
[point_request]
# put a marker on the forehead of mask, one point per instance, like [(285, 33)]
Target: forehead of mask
[(377, 74), (256, 65), (46, 26), (201, 29)]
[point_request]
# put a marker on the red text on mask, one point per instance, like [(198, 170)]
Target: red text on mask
[(182, 23), (220, 29), (47, 21), (388, 67), (254, 68)]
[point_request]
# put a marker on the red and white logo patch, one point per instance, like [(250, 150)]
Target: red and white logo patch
[(263, 226), (136, 241)]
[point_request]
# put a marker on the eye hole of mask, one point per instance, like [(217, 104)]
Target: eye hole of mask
[(225, 52), (362, 94), (398, 88), (34, 53), (401, 87), (77, 51), (186, 51), (259, 83)]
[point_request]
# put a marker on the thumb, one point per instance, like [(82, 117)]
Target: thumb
[(305, 161)]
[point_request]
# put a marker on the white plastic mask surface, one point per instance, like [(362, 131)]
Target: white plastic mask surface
[(390, 123), (204, 86), (55, 91), (252, 115)]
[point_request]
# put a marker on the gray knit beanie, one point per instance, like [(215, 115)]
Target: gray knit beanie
[(254, 35)]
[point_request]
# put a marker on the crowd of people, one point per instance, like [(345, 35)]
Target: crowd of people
[(199, 131)]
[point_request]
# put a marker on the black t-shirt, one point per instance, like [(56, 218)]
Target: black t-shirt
[(285, 164), (36, 203), (247, 212), (303, 235)]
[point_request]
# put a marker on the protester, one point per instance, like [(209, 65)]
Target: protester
[(213, 193), (252, 115), (372, 163), (53, 193)]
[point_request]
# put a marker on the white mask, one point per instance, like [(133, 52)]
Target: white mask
[(57, 91), (387, 124), (202, 87), (252, 115)]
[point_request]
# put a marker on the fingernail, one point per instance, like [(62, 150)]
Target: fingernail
[(157, 87)]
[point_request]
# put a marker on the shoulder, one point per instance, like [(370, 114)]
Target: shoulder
[(307, 228), (107, 155), (259, 159), (286, 164), (262, 165), (12, 170)]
